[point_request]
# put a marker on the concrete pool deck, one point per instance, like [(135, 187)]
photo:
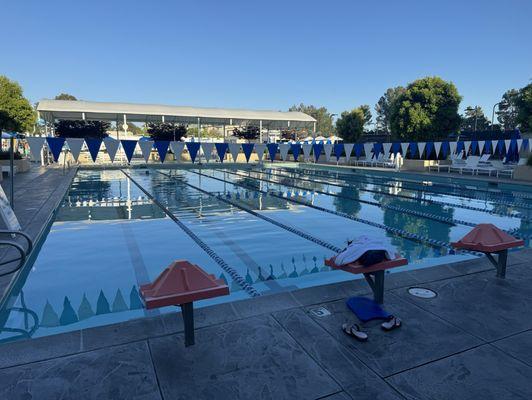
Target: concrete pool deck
[(474, 340)]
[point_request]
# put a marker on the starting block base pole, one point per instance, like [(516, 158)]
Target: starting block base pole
[(187, 311)]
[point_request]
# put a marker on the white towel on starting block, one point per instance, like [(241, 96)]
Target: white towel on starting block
[(359, 246)]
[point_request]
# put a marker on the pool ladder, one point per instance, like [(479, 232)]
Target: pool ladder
[(20, 249)]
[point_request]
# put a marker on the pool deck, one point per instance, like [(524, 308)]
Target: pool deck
[(473, 341), (37, 194)]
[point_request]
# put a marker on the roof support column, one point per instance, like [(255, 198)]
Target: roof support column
[(260, 131), (314, 132)]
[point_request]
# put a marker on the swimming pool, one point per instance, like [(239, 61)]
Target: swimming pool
[(270, 228)]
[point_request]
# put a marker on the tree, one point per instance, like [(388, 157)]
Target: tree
[(248, 133), (427, 109), (524, 108), (81, 129), (65, 96), (324, 123), (166, 131), (474, 120), (350, 125), (367, 115), (507, 112), (384, 107), (16, 112), (131, 127)]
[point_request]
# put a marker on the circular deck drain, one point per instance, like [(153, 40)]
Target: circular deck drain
[(422, 292)]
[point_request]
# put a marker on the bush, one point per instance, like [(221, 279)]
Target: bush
[(529, 162)]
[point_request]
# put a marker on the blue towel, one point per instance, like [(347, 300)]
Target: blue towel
[(366, 309)]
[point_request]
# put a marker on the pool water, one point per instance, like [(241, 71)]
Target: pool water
[(272, 226)]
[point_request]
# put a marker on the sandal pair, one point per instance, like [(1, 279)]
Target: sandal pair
[(391, 323), (355, 331)]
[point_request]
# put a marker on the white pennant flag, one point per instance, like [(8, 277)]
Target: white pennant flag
[(283, 149), (481, 144), (328, 147), (507, 144), (307, 147), (145, 148), (234, 149), (259, 149), (519, 144), (177, 149), (112, 147), (75, 145), (36, 143), (404, 148), (348, 147), (437, 148), (367, 150), (207, 150), (421, 148), (467, 144), (452, 147), (387, 147)]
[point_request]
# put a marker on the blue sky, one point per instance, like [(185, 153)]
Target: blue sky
[(264, 55)]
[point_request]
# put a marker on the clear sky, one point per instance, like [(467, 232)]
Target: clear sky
[(264, 55)]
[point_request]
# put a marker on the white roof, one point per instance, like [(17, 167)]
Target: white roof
[(51, 110)]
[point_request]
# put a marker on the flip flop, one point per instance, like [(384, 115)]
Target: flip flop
[(354, 331), (391, 324)]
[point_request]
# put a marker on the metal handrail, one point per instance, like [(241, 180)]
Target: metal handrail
[(26, 333), (22, 257), (23, 234)]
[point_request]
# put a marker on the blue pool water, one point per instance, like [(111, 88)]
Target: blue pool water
[(272, 226)]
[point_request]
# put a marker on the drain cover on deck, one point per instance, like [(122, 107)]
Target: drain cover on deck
[(422, 292), (320, 312)]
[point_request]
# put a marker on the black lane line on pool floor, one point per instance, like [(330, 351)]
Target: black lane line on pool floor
[(435, 217), (288, 228), (425, 188), (220, 261), (398, 232)]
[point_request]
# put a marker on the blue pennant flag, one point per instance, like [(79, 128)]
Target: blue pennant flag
[(317, 148), (377, 149), (413, 149), (445, 149), (296, 149), (94, 147), (193, 148), (500, 146), (460, 147), (396, 147), (55, 144), (358, 149), (272, 149), (487, 147), (474, 147), (162, 148), (129, 148), (338, 150), (428, 149), (526, 143), (247, 148), (221, 149)]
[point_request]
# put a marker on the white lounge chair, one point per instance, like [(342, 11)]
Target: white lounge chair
[(469, 165)]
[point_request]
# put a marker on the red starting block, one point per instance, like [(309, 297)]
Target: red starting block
[(374, 274), (488, 239), (180, 284)]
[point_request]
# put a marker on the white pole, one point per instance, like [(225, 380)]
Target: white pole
[(260, 131)]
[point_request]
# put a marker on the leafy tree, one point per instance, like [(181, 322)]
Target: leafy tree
[(16, 112), (324, 123), (82, 129), (384, 107), (248, 133), (350, 125), (166, 131), (367, 114), (524, 108), (474, 120), (427, 109), (65, 96), (507, 111)]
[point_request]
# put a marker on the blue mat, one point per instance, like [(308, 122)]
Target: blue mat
[(366, 309)]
